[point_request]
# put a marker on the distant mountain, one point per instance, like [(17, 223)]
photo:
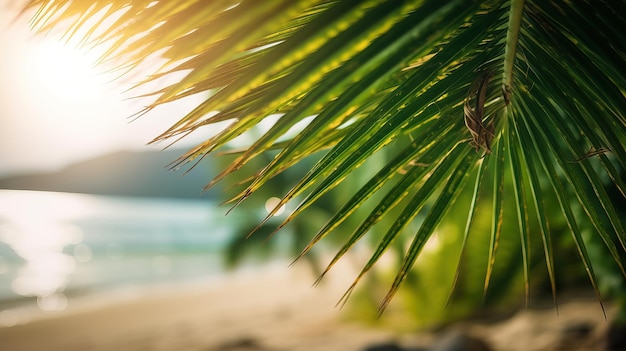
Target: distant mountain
[(122, 173)]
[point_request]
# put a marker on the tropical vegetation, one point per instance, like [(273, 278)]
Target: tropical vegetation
[(417, 113)]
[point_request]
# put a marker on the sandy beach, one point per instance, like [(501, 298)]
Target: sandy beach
[(276, 309)]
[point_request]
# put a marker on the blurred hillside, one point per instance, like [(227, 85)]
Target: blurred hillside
[(123, 173)]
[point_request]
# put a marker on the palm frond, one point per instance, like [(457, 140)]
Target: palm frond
[(404, 77)]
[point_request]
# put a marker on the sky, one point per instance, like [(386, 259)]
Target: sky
[(57, 107)]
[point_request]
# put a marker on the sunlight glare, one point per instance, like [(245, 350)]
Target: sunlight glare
[(271, 203), (64, 73), (54, 302), (37, 228)]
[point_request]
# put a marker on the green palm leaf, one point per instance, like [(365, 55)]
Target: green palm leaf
[(530, 94)]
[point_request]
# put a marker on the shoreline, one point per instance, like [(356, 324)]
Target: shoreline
[(275, 308), (26, 309)]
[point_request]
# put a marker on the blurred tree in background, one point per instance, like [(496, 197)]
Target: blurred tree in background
[(478, 143)]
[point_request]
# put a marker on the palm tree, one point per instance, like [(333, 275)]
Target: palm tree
[(515, 99)]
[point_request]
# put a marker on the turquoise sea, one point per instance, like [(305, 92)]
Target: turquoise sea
[(55, 247)]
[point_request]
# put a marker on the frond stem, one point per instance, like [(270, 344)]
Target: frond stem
[(515, 20)]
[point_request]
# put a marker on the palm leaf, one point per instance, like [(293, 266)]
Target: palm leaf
[(403, 78)]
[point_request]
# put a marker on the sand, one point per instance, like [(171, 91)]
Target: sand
[(276, 308), (272, 309)]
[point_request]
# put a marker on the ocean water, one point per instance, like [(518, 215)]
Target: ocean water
[(55, 247)]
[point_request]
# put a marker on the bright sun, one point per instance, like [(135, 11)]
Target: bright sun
[(58, 106), (65, 74), (62, 103)]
